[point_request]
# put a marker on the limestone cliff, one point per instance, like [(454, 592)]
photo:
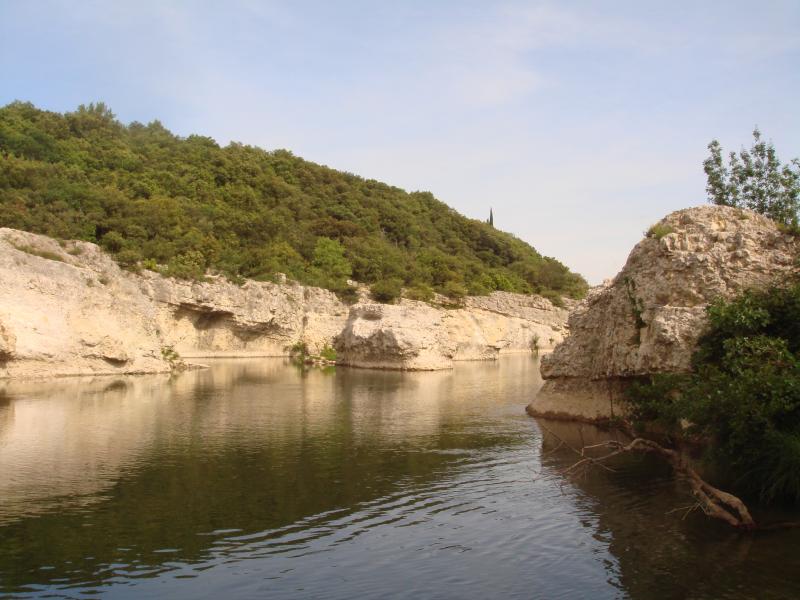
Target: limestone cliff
[(66, 308), (649, 318), (414, 335)]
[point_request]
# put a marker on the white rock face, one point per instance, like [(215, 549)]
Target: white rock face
[(712, 252), (415, 336), (219, 318), (68, 309), (410, 335)]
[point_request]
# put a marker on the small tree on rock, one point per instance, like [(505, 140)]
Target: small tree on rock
[(754, 179)]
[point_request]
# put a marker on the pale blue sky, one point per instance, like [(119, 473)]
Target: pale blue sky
[(579, 123)]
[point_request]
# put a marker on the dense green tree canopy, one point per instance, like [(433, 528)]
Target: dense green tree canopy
[(185, 205)]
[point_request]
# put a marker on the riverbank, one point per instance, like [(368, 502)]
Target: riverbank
[(67, 308)]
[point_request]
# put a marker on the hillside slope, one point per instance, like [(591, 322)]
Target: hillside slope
[(184, 205)]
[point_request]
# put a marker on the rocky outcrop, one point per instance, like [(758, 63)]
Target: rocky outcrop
[(66, 308), (413, 335), (649, 318), (410, 335), (71, 311), (219, 318)]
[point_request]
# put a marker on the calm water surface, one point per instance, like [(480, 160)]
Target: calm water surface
[(253, 479)]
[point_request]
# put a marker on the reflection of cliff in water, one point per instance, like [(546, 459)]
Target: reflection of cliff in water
[(663, 552), (97, 466)]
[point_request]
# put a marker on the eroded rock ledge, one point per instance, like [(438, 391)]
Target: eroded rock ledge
[(68, 309), (649, 318)]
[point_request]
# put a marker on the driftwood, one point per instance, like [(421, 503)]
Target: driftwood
[(714, 502)]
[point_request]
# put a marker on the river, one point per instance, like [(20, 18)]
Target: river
[(255, 479)]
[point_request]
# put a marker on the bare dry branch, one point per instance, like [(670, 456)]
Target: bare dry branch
[(713, 502)]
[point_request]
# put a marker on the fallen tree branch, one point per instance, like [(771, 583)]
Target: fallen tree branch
[(714, 502)]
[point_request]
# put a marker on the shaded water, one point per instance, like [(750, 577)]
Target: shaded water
[(252, 479)]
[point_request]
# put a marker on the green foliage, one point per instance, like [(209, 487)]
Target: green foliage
[(754, 179), (300, 349), (328, 353), (191, 205), (189, 265), (659, 230), (387, 290), (637, 307), (743, 394), (554, 297), (169, 354), (347, 294), (420, 292), (535, 344), (329, 266), (38, 252), (455, 291)]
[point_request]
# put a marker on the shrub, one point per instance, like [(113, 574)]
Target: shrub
[(659, 230), (328, 353), (421, 292), (535, 344), (38, 252), (743, 394), (454, 290), (150, 264), (554, 297), (129, 258), (346, 293), (169, 354), (386, 291), (190, 265), (113, 241), (300, 349)]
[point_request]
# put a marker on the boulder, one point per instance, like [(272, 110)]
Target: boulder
[(650, 317)]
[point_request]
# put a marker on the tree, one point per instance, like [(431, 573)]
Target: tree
[(754, 179), (330, 260)]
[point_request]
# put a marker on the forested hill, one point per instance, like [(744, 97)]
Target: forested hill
[(184, 205)]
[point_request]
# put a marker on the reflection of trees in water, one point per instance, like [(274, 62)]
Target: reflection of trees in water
[(250, 445), (660, 554)]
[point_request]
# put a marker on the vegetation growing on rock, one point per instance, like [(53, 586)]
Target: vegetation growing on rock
[(185, 205), (755, 179), (743, 393)]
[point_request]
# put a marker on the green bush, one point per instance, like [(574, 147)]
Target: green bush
[(129, 258), (300, 349), (386, 291), (38, 252), (659, 230), (743, 394), (190, 265), (328, 353), (346, 293), (420, 292), (455, 291), (554, 297)]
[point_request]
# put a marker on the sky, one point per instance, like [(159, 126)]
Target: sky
[(578, 123)]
